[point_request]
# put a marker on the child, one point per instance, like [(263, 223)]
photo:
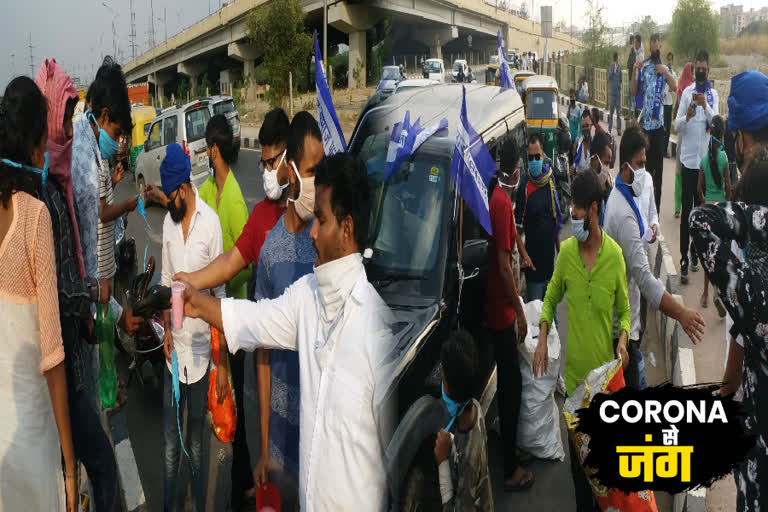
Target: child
[(714, 187), (461, 456)]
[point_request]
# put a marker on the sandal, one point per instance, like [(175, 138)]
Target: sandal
[(704, 301), (719, 305), (522, 485), (677, 215)]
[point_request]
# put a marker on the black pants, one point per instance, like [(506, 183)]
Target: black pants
[(585, 499), (689, 179), (509, 387), (89, 441), (667, 125), (242, 476), (655, 162)]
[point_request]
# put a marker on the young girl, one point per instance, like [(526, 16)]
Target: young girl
[(714, 187)]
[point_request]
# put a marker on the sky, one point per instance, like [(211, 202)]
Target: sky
[(78, 33)]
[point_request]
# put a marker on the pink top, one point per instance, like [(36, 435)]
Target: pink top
[(28, 272)]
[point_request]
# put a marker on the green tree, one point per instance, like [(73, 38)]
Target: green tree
[(381, 51), (594, 36), (278, 29), (647, 28), (694, 27), (755, 28)]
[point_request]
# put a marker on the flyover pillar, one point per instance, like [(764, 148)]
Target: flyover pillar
[(357, 59)]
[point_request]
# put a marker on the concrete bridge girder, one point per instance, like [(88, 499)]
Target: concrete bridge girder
[(191, 69)]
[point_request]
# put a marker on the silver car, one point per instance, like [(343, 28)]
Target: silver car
[(226, 105), (184, 125)]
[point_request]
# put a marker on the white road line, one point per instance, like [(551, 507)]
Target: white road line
[(129, 475)]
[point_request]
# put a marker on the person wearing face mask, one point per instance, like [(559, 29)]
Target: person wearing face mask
[(625, 224), (649, 78), (581, 158), (537, 209), (590, 266), (598, 163), (341, 329), (508, 179), (192, 239), (748, 116), (574, 123), (285, 257), (76, 292), (698, 105), (222, 193)]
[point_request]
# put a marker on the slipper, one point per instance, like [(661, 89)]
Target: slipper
[(719, 305), (677, 215), (520, 485), (704, 301)]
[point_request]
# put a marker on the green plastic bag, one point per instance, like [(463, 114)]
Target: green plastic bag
[(105, 333)]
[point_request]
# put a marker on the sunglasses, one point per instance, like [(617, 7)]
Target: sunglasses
[(269, 162), (537, 156)]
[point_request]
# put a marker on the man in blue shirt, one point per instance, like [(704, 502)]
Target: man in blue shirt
[(286, 256), (653, 76)]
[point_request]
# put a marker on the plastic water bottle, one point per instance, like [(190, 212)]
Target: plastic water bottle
[(105, 333)]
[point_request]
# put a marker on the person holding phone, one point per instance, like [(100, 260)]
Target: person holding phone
[(698, 105)]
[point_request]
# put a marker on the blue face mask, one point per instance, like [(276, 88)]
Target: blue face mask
[(42, 172), (454, 408), (579, 231), (107, 145), (535, 168)]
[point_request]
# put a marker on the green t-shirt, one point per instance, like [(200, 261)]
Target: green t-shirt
[(592, 297), (233, 214), (711, 192)]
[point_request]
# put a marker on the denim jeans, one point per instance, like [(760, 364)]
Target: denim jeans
[(195, 396)]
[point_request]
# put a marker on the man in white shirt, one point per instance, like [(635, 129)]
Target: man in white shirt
[(191, 240), (339, 326), (582, 159), (669, 101), (624, 223), (698, 105)]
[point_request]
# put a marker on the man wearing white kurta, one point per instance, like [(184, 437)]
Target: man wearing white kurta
[(339, 325)]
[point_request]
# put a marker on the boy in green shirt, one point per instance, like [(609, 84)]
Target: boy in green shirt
[(591, 267)]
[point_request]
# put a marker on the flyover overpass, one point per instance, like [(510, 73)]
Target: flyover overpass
[(219, 43)]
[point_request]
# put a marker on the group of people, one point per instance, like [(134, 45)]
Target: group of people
[(526, 61)]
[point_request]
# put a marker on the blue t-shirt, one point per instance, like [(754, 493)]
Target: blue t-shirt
[(648, 86), (284, 258)]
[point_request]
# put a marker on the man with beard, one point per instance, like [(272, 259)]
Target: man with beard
[(191, 240), (653, 76), (748, 116)]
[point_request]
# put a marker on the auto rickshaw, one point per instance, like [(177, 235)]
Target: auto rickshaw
[(518, 78), (142, 117), (492, 75)]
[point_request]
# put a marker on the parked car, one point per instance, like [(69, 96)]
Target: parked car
[(226, 105), (407, 85), (434, 69), (184, 125), (460, 65), (429, 264), (390, 77)]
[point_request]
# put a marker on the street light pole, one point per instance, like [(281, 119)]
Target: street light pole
[(114, 32), (325, 34)]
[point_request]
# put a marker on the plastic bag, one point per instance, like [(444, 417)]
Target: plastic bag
[(608, 378), (538, 427), (105, 333), (221, 416)]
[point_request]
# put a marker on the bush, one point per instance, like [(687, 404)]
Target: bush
[(340, 65), (694, 27)]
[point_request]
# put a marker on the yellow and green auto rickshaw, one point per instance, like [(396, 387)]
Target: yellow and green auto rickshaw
[(518, 77), (142, 117), (492, 74), (539, 94)]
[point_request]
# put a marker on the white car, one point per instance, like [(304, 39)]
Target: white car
[(434, 69), (415, 83), (225, 105), (390, 77)]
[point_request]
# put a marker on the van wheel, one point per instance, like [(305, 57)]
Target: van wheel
[(421, 491), (141, 189)]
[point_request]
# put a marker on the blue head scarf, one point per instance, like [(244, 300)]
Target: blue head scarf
[(175, 168), (748, 102)]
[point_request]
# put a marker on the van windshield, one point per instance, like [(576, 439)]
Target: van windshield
[(541, 104), (195, 122), (433, 66), (407, 213)]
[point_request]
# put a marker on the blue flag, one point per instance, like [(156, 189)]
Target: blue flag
[(505, 75), (406, 139), (472, 167), (333, 138)]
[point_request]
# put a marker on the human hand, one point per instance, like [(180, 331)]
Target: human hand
[(443, 445), (117, 174), (701, 100), (541, 356), (691, 112), (168, 344), (261, 470), (155, 195), (129, 323), (182, 276), (190, 300), (638, 64), (106, 290), (693, 324), (527, 263), (522, 327), (621, 349), (655, 229), (222, 383), (70, 485), (661, 69), (130, 204)]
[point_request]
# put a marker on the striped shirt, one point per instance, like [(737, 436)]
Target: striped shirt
[(106, 230)]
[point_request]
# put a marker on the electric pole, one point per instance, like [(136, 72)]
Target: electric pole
[(13, 65), (133, 32), (325, 34), (31, 58)]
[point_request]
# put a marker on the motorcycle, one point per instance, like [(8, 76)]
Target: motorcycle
[(561, 171)]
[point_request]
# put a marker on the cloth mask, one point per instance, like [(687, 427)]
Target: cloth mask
[(701, 76), (637, 184), (305, 204), (535, 168), (107, 145), (42, 172), (272, 187), (454, 408), (579, 231)]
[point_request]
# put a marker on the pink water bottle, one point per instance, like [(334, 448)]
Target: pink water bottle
[(177, 303)]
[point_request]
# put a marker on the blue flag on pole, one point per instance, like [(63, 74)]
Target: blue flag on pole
[(505, 75), (472, 167), (333, 138), (406, 139)]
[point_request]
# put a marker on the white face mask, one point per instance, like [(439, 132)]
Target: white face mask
[(637, 180), (272, 188), (305, 204)]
